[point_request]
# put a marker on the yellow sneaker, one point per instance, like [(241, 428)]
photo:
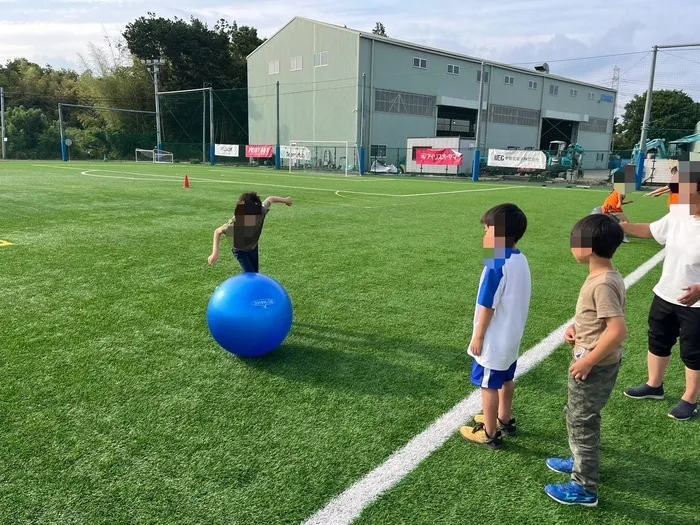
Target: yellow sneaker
[(478, 436), (509, 429)]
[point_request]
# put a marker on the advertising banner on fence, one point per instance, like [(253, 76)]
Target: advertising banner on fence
[(259, 152), (438, 157), (516, 158), (226, 150), (295, 152)]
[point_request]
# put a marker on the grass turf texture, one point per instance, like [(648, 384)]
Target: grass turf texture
[(117, 406)]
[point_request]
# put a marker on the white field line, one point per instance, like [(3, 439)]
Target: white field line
[(282, 173), (348, 506), (93, 173)]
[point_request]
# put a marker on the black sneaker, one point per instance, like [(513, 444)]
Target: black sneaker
[(683, 411), (645, 392)]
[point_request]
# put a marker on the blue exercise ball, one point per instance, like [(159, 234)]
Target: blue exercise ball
[(250, 315)]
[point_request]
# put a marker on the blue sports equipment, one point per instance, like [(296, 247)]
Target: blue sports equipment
[(250, 315)]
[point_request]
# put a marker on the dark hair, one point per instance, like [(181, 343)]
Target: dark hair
[(601, 233), (249, 204), (509, 222)]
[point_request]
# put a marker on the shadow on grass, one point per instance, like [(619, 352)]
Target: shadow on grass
[(362, 363), (662, 482)]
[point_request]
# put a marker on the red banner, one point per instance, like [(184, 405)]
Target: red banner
[(438, 157), (259, 152)]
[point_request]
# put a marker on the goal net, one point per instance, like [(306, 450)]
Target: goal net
[(154, 156), (324, 156)]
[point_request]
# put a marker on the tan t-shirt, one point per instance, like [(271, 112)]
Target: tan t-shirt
[(602, 296)]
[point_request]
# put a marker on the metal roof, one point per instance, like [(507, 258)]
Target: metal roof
[(435, 51)]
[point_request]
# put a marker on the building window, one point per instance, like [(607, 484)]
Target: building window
[(515, 116), (420, 63), (594, 125), (295, 64), (573, 92), (404, 103), (452, 70), (414, 151), (378, 151), (600, 157), (554, 90), (273, 67), (509, 80), (486, 76), (321, 59), (591, 96), (532, 84)]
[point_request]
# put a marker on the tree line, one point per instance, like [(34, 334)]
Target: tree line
[(197, 56)]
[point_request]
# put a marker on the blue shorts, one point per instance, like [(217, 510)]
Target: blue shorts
[(494, 379)]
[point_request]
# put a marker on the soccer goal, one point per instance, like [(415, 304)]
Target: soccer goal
[(326, 156), (154, 156)]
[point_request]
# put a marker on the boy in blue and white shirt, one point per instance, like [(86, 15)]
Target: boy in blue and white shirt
[(502, 308)]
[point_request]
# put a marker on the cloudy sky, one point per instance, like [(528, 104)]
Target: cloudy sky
[(514, 31)]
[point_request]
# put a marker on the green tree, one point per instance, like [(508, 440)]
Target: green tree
[(195, 54), (674, 114), (27, 131), (32, 86), (379, 29)]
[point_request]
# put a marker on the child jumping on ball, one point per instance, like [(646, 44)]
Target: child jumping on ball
[(245, 227), (502, 308), (596, 336)]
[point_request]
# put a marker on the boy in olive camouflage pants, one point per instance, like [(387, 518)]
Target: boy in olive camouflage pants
[(596, 336)]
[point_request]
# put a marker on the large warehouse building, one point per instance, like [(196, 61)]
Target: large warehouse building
[(339, 84)]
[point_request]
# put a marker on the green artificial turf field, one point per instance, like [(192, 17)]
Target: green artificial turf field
[(116, 406)]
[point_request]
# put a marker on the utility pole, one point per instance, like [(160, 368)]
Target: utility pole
[(204, 123), (278, 149), (154, 66), (212, 143), (362, 126), (647, 109), (477, 152), (615, 84), (2, 123)]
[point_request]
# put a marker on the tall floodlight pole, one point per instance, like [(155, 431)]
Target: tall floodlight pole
[(154, 66)]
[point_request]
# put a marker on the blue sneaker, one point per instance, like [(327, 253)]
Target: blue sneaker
[(571, 494), (562, 466)]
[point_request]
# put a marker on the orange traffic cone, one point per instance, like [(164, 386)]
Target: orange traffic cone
[(187, 182)]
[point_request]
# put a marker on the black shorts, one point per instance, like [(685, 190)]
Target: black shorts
[(667, 323)]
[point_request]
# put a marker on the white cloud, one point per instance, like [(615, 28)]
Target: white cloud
[(515, 31)]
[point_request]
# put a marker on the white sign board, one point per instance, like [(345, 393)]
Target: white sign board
[(226, 150), (516, 158), (295, 152)]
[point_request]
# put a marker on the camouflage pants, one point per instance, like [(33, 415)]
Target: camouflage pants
[(586, 400)]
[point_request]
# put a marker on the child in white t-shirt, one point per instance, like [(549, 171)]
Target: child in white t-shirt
[(502, 308), (675, 310)]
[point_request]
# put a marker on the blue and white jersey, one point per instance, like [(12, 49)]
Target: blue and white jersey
[(505, 286)]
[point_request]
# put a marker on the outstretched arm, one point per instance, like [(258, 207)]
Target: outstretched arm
[(659, 191), (637, 230), (218, 233), (277, 200)]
